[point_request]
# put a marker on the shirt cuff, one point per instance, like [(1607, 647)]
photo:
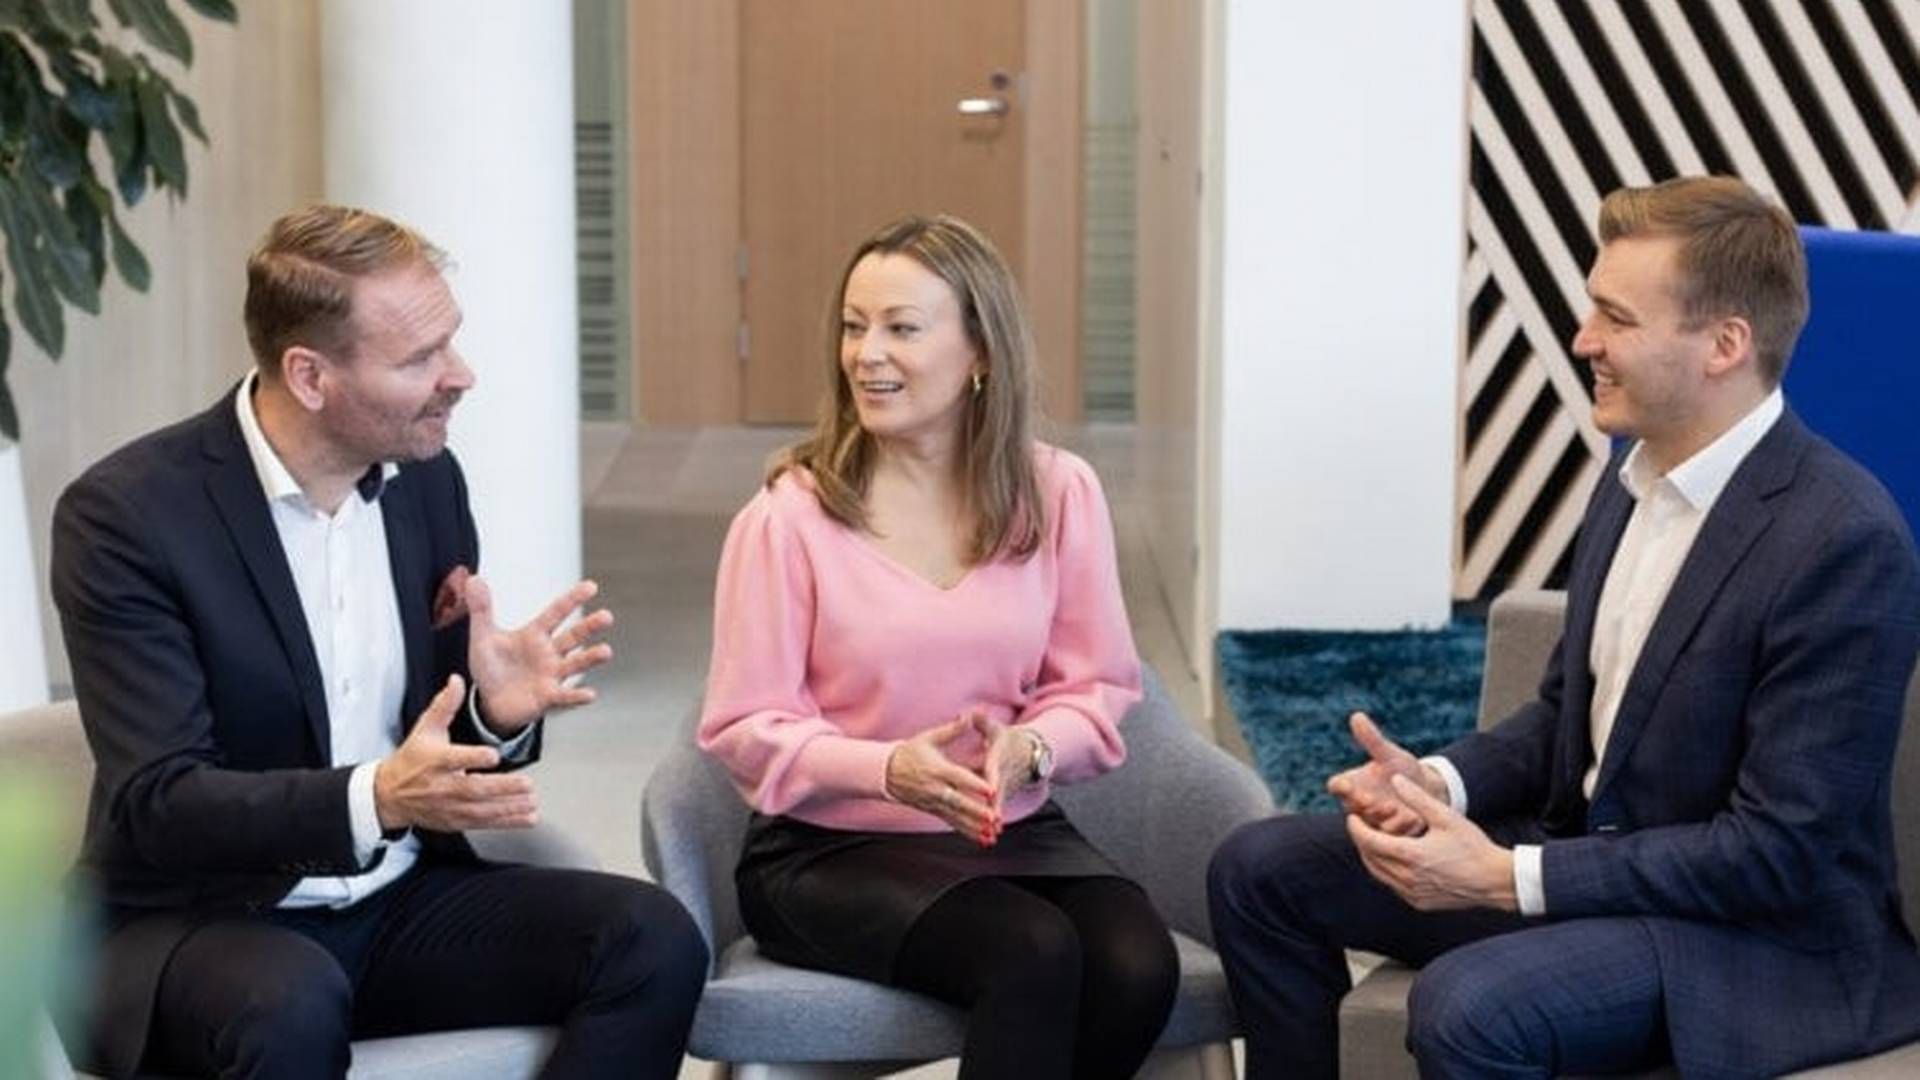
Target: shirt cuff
[(362, 816), (1456, 787), (514, 749), (1528, 889)]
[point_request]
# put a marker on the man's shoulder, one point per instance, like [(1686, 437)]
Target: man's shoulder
[(1830, 484), (152, 469)]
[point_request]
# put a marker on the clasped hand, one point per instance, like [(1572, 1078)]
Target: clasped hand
[(1409, 836), (922, 774)]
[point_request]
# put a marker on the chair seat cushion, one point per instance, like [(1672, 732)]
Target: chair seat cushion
[(758, 1010), (454, 1055)]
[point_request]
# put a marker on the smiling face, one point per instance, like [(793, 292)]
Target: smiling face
[(1650, 366), (904, 349), (391, 399)]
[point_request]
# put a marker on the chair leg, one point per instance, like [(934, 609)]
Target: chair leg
[(1213, 1061)]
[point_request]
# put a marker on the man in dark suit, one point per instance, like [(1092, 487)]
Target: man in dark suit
[(297, 698), (1691, 822)]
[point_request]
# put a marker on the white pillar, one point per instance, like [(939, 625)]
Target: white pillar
[(456, 117), (23, 660), (1342, 233)]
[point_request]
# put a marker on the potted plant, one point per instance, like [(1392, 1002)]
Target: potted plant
[(62, 83)]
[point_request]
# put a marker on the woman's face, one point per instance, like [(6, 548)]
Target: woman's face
[(904, 349)]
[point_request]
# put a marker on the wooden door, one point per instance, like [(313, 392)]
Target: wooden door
[(850, 117)]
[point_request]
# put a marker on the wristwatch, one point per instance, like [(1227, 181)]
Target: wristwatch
[(1040, 766)]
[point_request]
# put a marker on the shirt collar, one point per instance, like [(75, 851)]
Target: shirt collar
[(1700, 479), (275, 480)]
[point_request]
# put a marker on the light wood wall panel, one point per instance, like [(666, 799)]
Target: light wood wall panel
[(1167, 276), (684, 116), (683, 79), (1056, 36)]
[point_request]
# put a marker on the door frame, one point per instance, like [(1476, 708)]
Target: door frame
[(683, 96)]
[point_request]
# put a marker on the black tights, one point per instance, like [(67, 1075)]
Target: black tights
[(1060, 976)]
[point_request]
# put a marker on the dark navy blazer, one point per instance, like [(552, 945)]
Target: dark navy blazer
[(1743, 803), (214, 791)]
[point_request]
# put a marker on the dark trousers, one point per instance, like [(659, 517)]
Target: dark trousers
[(615, 963), (1499, 995), (1060, 976)]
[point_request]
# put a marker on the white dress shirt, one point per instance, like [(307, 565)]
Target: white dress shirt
[(1667, 514), (343, 573)]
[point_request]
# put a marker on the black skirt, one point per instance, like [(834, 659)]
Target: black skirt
[(843, 901)]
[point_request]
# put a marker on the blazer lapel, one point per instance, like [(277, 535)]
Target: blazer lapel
[(1586, 578), (1738, 518), (406, 553), (235, 489)]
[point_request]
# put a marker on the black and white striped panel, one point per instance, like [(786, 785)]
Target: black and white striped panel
[(1815, 102)]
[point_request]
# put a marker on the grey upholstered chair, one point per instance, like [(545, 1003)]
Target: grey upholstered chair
[(1521, 629), (1159, 816), (49, 742)]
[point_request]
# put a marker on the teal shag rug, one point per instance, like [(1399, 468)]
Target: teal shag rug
[(1293, 689)]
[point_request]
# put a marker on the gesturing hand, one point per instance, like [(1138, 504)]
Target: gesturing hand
[(426, 782), (522, 674), (1366, 790), (1450, 865), (921, 775)]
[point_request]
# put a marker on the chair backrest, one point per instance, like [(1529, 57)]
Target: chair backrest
[(47, 743), (1524, 626), (1523, 629), (692, 823), (1159, 817), (1853, 378)]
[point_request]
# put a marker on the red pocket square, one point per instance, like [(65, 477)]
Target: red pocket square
[(450, 602)]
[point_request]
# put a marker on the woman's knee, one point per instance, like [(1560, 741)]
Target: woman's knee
[(1039, 957)]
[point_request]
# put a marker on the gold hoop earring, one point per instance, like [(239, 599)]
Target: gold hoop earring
[(978, 382)]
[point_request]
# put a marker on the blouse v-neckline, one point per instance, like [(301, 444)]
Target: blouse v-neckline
[(867, 543)]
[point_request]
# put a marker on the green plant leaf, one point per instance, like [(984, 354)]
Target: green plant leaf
[(160, 137), (71, 17), (216, 9), (65, 257), (84, 214), (188, 112), (20, 86), (127, 257), (57, 148), (87, 99), (161, 28), (33, 295), (9, 417)]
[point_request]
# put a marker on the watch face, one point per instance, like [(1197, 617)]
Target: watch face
[(1042, 759)]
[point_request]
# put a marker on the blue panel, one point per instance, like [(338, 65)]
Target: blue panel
[(1855, 376)]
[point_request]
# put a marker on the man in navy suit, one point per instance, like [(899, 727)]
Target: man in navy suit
[(297, 697), (1682, 850)]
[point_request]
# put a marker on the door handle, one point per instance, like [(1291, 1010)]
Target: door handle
[(983, 106)]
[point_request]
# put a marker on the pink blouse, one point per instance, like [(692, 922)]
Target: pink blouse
[(827, 653)]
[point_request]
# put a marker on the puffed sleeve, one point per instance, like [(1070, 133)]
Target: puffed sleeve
[(760, 719), (1090, 674)]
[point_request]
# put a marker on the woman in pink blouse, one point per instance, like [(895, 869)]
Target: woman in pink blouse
[(918, 629)]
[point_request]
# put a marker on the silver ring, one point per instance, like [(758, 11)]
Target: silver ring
[(946, 795)]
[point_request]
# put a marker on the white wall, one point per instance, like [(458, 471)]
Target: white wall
[(1340, 239), (458, 120)]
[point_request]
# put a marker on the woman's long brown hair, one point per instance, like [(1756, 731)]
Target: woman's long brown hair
[(995, 463)]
